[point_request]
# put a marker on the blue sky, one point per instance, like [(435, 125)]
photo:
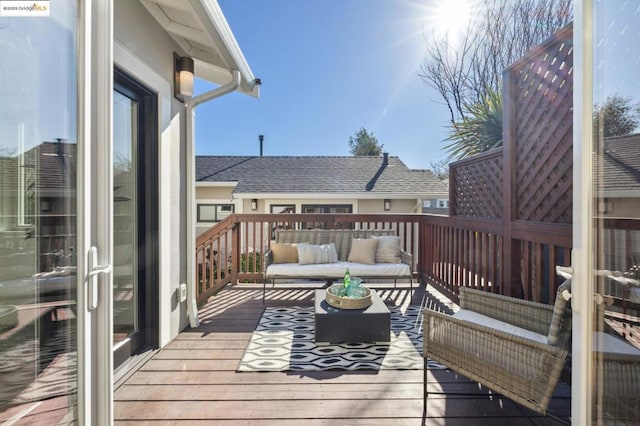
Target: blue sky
[(328, 68)]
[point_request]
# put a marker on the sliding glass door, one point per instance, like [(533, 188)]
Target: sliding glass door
[(606, 255), (38, 212)]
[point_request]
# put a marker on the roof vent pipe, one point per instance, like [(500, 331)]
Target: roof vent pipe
[(385, 158), (261, 139)]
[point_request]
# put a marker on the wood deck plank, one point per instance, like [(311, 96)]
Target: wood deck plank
[(193, 379)]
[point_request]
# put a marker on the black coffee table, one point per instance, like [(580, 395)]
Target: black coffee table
[(334, 325)]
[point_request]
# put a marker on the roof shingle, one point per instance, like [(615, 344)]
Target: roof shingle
[(288, 174)]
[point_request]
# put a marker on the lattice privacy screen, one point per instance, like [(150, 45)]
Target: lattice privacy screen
[(544, 126), (476, 185), (540, 108)]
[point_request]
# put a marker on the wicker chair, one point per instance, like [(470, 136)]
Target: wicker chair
[(520, 353)]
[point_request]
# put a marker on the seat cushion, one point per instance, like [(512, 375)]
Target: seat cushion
[(336, 270), (476, 318)]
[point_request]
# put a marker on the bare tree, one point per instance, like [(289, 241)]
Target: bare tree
[(499, 33), (440, 169)]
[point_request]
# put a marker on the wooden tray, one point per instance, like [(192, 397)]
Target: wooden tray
[(349, 302)]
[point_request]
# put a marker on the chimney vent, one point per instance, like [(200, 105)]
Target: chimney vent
[(261, 139), (385, 158)]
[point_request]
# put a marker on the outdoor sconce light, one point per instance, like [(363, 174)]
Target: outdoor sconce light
[(387, 204), (254, 204), (183, 77)]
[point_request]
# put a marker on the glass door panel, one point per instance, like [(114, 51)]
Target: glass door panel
[(125, 226), (135, 218), (38, 236), (616, 201)]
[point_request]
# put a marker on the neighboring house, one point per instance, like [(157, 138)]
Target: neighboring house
[(38, 206), (350, 184), (621, 177), (619, 194)]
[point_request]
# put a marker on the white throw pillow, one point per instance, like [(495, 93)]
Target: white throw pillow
[(388, 250), (329, 253), (306, 254), (309, 254)]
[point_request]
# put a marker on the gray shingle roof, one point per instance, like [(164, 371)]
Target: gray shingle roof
[(362, 174), (621, 161)]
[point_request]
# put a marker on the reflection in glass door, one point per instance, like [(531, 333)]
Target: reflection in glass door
[(616, 204), (38, 236), (125, 281), (135, 218)]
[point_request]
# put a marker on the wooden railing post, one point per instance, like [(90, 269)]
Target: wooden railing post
[(510, 263), (235, 252)]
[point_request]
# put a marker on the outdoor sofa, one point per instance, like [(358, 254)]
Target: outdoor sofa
[(321, 254)]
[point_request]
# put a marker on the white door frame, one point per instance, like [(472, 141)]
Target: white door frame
[(95, 208), (583, 238)]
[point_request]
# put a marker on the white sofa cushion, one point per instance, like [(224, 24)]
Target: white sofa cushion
[(476, 318), (336, 270)]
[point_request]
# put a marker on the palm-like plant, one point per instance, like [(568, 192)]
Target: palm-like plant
[(480, 130)]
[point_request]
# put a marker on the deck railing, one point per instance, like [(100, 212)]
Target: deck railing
[(233, 250), (448, 252)]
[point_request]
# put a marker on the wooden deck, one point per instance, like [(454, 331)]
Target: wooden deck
[(193, 380)]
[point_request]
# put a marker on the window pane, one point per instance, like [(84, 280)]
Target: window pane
[(224, 210), (206, 212), (283, 208)]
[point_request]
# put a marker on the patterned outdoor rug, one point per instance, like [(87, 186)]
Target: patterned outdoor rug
[(284, 341)]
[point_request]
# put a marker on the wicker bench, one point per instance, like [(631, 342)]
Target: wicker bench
[(342, 239)]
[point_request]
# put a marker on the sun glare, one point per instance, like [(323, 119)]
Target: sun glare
[(451, 17)]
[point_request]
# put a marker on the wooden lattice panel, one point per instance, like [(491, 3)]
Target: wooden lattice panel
[(543, 100), (477, 186)]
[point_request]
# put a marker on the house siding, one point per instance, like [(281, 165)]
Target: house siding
[(377, 206), (135, 30), (214, 193), (624, 208)]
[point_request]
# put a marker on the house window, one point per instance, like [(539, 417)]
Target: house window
[(443, 204), (426, 204), (327, 208), (283, 208), (214, 212)]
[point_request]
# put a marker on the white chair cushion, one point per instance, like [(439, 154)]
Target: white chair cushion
[(476, 318), (336, 270)]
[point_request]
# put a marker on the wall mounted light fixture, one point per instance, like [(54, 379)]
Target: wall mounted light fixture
[(183, 77), (387, 204), (254, 204)]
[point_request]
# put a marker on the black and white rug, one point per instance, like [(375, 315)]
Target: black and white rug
[(284, 341)]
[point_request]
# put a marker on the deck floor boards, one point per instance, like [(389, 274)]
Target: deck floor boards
[(193, 380)]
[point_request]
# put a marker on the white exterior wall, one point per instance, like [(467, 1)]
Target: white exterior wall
[(145, 51)]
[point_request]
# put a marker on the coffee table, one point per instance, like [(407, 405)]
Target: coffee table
[(334, 325)]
